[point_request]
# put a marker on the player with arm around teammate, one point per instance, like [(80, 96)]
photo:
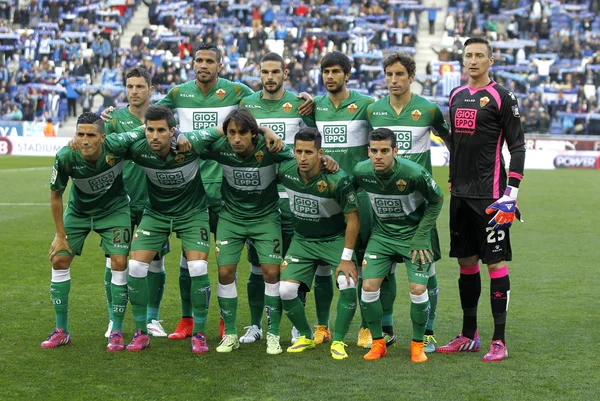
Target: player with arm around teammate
[(98, 202), (326, 224), (406, 202)]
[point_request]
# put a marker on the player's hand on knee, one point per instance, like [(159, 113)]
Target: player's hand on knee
[(329, 165), (59, 244), (347, 268), (105, 116), (423, 255)]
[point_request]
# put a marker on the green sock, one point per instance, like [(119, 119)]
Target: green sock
[(200, 298), (108, 290), (388, 297), (228, 302), (323, 298), (119, 296), (294, 310), (273, 308), (418, 315), (185, 287), (432, 289), (156, 288), (363, 321), (346, 307), (373, 311), (256, 298), (59, 293), (138, 296)]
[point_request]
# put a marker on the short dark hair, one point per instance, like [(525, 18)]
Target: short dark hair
[(244, 120), (91, 118), (309, 135), (336, 58), (403, 58), (273, 57), (139, 72), (383, 134), (471, 41), (157, 113), (210, 47)]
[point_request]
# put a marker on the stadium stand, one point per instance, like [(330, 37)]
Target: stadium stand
[(547, 52)]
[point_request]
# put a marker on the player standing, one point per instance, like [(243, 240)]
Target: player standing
[(97, 202), (249, 212), (406, 201), (411, 117), (341, 117), (138, 87), (279, 109), (483, 115), (326, 224)]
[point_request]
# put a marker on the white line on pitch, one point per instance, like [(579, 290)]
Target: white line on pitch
[(17, 170)]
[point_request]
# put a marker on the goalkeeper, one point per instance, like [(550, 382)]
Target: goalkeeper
[(483, 116)]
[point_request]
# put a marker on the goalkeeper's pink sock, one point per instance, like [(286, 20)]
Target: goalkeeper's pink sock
[(499, 296)]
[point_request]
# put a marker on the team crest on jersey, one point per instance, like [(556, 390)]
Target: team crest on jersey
[(352, 108), (483, 101), (179, 158), (321, 186), (331, 186), (287, 107), (401, 184), (54, 175), (220, 94), (416, 114), (110, 160), (259, 156)]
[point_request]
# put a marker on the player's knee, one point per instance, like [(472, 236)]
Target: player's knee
[(197, 267), (157, 266), (369, 296), (227, 274), (271, 273), (469, 261), (498, 270), (118, 263), (417, 289), (345, 283), (61, 262), (419, 295), (370, 285), (288, 290), (138, 269), (323, 271)]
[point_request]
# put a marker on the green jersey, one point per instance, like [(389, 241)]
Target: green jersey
[(98, 188), (318, 207), (345, 129), (196, 111), (400, 201), (282, 116), (411, 126), (249, 189), (133, 175), (174, 185)]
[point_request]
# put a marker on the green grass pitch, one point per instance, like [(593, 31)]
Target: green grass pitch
[(553, 329)]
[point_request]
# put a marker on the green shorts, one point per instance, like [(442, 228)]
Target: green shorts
[(382, 252), (301, 260), (265, 235), (155, 229), (287, 231), (114, 229)]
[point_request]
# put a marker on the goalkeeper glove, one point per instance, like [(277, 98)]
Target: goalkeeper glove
[(505, 209)]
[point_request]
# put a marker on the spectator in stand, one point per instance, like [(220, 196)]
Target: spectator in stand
[(49, 130), (431, 17)]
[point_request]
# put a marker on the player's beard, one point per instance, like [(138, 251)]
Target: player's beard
[(272, 91), (205, 79), (337, 89)]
